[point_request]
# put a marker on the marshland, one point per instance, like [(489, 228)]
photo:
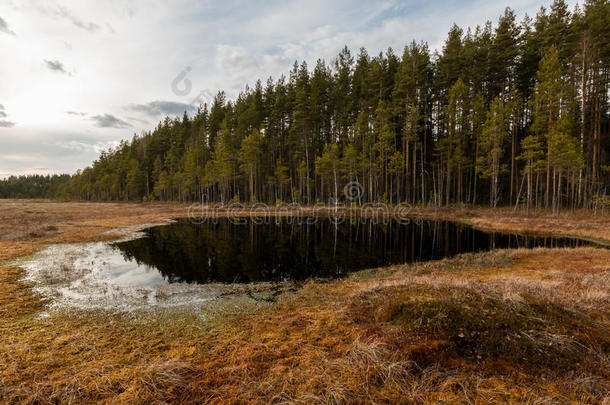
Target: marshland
[(210, 202)]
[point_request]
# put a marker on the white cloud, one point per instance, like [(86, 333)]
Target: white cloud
[(4, 29), (56, 66), (160, 108), (234, 58), (109, 121), (62, 12), (79, 146)]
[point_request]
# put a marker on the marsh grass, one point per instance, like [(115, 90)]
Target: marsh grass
[(519, 326), (482, 326), (468, 331)]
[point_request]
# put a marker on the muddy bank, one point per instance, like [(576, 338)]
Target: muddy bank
[(92, 276)]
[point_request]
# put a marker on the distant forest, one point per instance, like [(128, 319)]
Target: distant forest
[(34, 186), (505, 113)]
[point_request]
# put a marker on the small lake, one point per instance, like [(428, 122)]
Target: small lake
[(286, 249)]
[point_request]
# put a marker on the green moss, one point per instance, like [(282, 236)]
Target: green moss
[(530, 334)]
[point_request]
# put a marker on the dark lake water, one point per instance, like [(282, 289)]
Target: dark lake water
[(282, 249)]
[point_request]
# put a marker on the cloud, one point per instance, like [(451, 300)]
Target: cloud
[(62, 12), (80, 114), (80, 146), (4, 123), (109, 121), (16, 158), (62, 150), (234, 58), (56, 66), (156, 108), (4, 27), (138, 120)]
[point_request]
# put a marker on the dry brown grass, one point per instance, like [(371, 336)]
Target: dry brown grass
[(579, 223), (522, 326), (26, 225)]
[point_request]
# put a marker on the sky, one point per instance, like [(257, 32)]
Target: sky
[(78, 76)]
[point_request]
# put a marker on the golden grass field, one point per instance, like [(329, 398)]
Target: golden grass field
[(510, 326)]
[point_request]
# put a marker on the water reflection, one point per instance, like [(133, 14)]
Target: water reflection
[(284, 250)]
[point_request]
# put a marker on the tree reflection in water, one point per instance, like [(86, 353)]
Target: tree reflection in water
[(283, 249)]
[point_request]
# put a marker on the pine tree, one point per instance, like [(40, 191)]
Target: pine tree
[(384, 144), (547, 104), (495, 132), (503, 54), (327, 167), (457, 113), (564, 157), (532, 153), (250, 157)]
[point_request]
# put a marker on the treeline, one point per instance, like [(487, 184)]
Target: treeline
[(34, 186), (504, 113)]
